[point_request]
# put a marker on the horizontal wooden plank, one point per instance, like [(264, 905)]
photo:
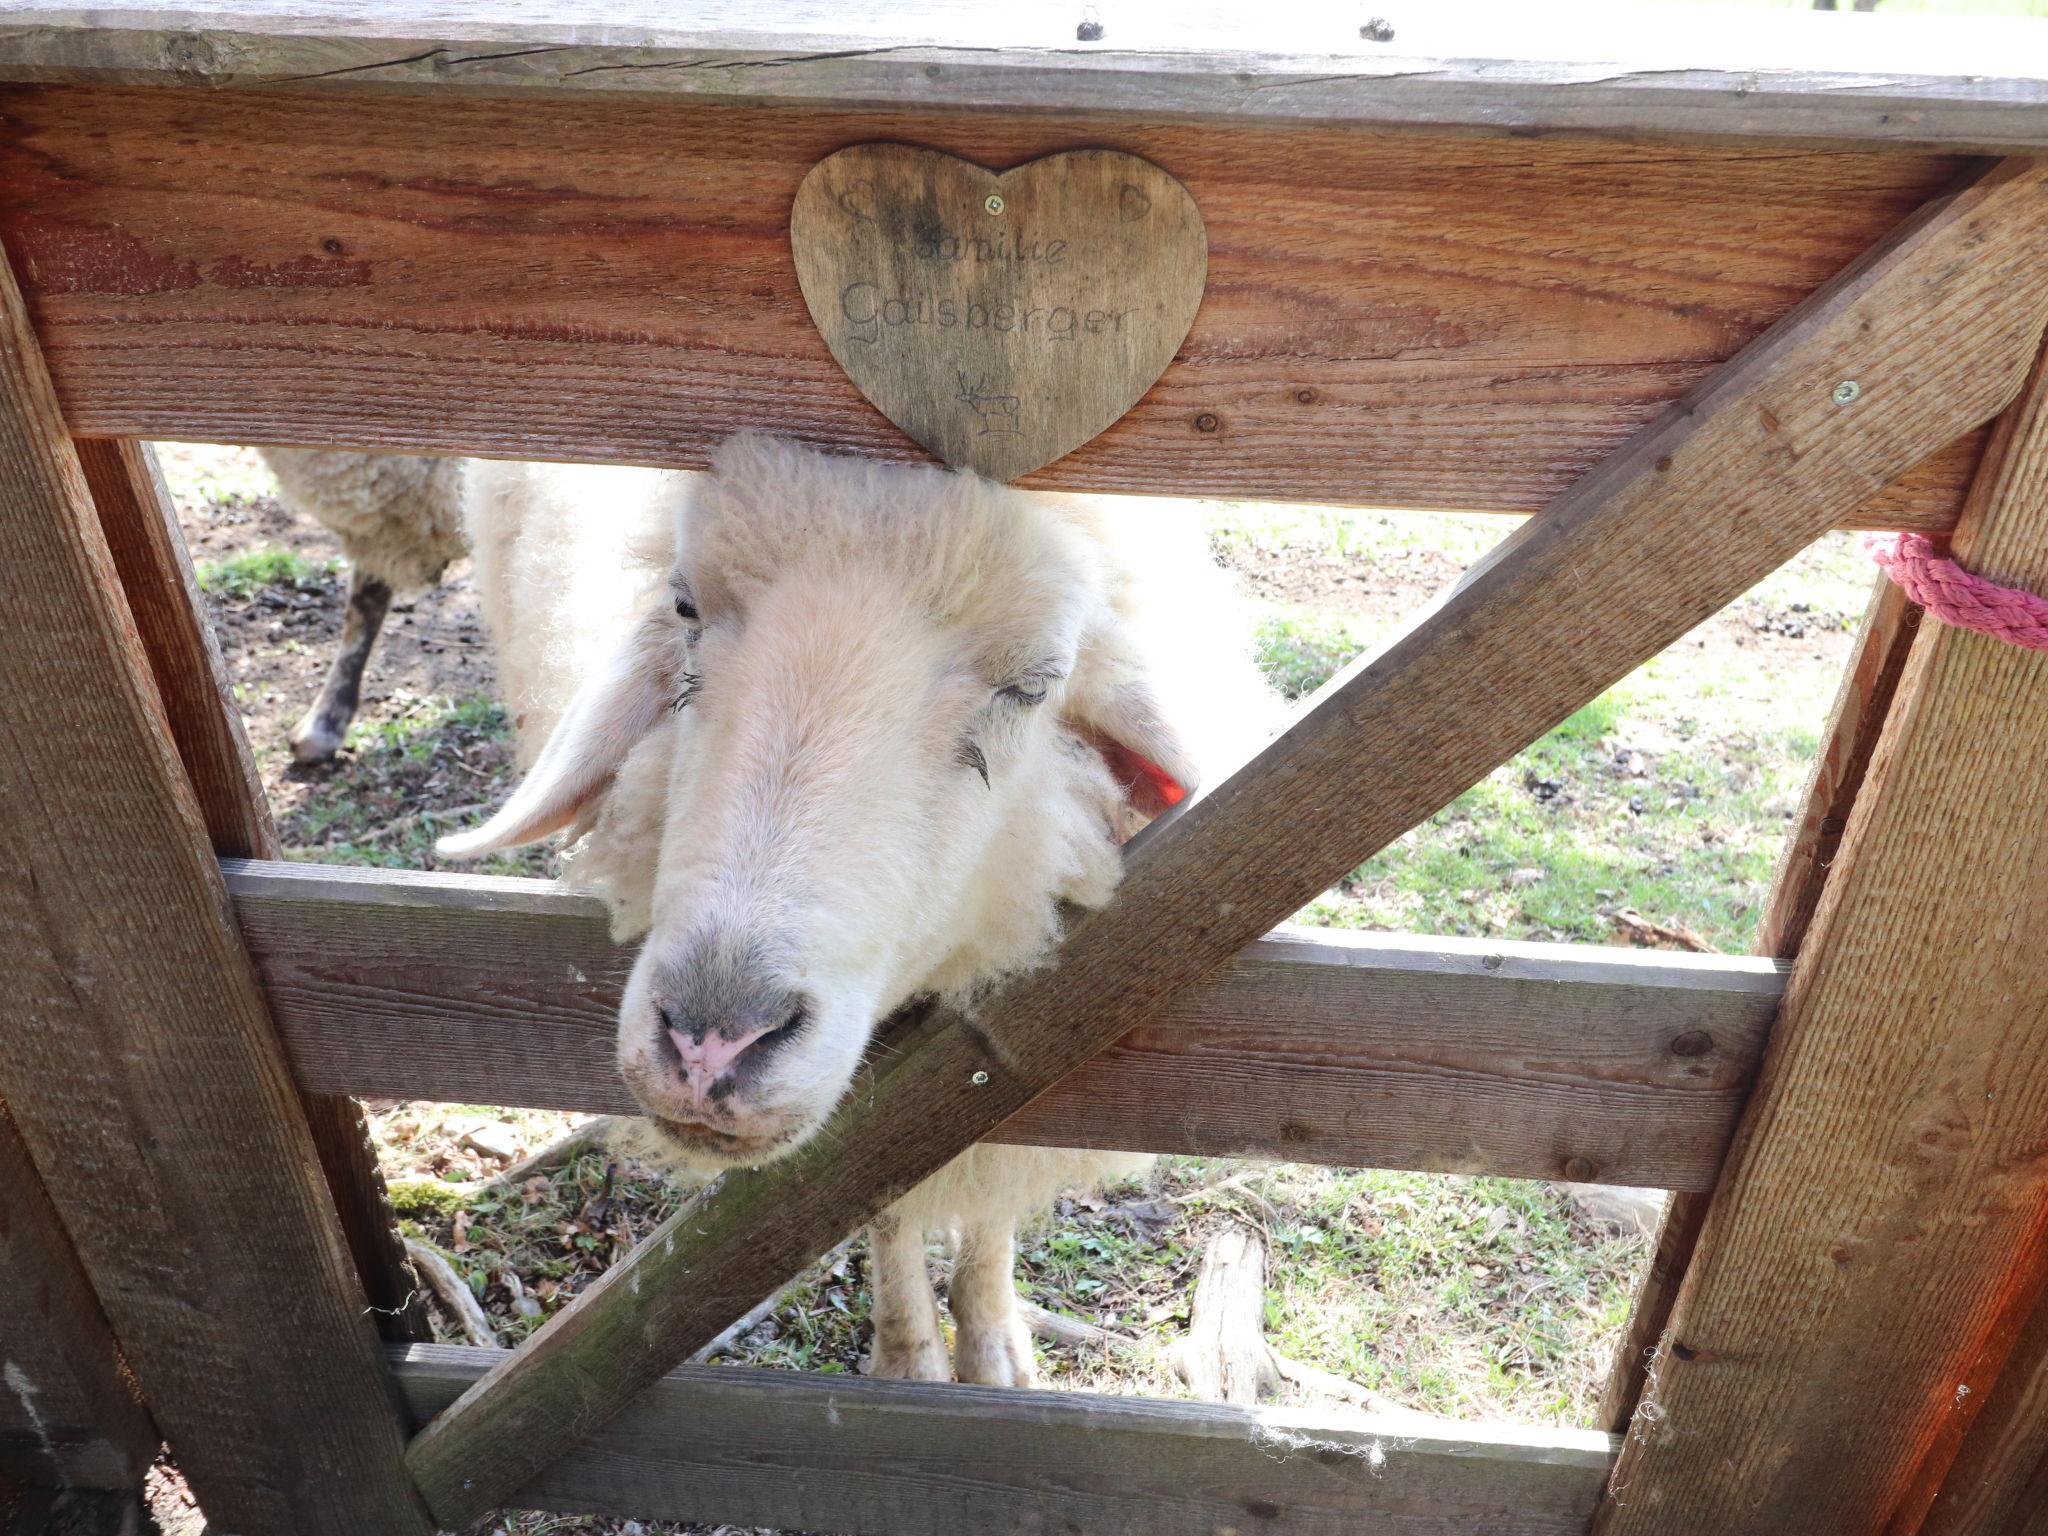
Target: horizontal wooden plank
[(802, 1451), (1538, 1060), (1389, 320), (1498, 67)]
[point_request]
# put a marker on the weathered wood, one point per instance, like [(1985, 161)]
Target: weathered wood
[(1882, 1214), (1389, 321), (70, 1415), (1938, 323), (1496, 69), (141, 528), (1356, 1049), (801, 1451), (1224, 1357), (1998, 1483), (1868, 684), (135, 1053), (1000, 320)]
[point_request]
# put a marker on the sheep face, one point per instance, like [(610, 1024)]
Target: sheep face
[(879, 726)]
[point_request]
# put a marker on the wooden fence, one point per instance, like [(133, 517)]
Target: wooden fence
[(1625, 299)]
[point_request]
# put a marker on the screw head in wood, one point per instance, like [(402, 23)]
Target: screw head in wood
[(994, 203), (1847, 391), (980, 1079)]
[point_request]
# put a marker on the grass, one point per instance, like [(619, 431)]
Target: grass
[(1669, 794), (425, 767), (248, 571)]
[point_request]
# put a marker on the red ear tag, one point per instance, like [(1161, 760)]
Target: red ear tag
[(1150, 787)]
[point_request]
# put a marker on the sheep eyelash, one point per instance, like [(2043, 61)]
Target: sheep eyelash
[(690, 684), (1031, 686), (970, 755)]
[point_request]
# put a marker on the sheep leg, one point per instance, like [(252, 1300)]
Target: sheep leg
[(319, 735), (908, 1345), (991, 1344)]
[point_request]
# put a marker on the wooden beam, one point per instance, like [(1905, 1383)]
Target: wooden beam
[(135, 1054), (803, 1451), (1998, 1484), (70, 1413), (1938, 324), (1388, 321), (141, 527), (1364, 1050), (1494, 69), (1883, 1213), (1869, 682)]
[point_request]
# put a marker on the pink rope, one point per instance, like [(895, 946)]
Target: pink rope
[(1961, 597)]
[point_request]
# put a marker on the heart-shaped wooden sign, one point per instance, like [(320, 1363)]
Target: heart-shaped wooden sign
[(1000, 320)]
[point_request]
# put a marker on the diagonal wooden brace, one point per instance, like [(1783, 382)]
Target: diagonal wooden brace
[(1936, 325)]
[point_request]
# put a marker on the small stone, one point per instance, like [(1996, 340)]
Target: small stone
[(491, 1140)]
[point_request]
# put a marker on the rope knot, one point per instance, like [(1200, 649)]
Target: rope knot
[(1960, 597)]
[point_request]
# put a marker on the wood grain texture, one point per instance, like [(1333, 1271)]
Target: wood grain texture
[(1392, 321), (1939, 322), (1372, 1050), (135, 1054), (1869, 682), (1883, 1213), (1000, 320), (141, 528), (796, 1450), (1497, 68), (70, 1413), (1998, 1483)]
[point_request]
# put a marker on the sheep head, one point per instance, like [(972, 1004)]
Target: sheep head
[(881, 724)]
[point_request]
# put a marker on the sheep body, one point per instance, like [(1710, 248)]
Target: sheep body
[(399, 521), (570, 564)]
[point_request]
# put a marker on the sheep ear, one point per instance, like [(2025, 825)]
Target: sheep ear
[(607, 717), (1120, 717)]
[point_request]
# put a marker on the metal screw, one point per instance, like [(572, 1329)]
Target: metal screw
[(1847, 391), (980, 1079), (994, 203)]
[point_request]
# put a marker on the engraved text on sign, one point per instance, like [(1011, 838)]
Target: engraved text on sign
[(1000, 320)]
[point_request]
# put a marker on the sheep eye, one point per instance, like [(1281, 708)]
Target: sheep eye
[(1026, 691), (686, 609)]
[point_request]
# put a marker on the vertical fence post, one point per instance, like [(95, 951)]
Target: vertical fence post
[(137, 1056), (149, 553), (1881, 1218)]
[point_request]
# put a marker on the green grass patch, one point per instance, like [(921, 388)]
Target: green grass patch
[(247, 571)]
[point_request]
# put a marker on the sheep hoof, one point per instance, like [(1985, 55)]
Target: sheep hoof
[(918, 1362), (313, 740), (996, 1357)]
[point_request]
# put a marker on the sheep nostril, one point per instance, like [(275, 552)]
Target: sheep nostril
[(711, 1060)]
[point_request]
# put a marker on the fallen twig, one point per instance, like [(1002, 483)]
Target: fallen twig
[(759, 1310), (1329, 1384), (557, 1154), (453, 1293), (1056, 1328)]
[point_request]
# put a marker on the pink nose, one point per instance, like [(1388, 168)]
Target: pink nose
[(706, 1060)]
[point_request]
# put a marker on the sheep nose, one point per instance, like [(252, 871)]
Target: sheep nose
[(708, 1052)]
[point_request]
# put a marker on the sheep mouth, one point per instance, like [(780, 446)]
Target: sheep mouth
[(729, 1146)]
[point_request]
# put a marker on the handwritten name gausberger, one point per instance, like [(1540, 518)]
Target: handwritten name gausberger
[(868, 311)]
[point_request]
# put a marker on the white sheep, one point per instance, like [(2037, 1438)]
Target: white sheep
[(399, 520), (834, 735)]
